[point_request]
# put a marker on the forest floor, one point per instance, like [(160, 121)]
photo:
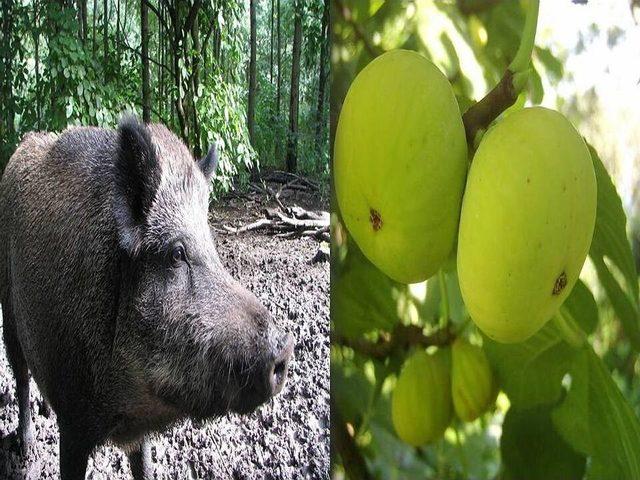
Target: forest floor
[(285, 439)]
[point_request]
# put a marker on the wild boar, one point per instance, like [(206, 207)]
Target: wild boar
[(113, 295)]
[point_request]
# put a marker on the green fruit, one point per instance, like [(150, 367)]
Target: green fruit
[(472, 386), (399, 165), (526, 225), (421, 401)]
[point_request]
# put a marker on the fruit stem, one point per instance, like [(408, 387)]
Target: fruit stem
[(522, 59), (569, 329), (444, 298), (480, 115)]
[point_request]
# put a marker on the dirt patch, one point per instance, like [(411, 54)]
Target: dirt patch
[(285, 439)]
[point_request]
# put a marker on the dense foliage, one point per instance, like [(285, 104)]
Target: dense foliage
[(568, 405), (185, 64)]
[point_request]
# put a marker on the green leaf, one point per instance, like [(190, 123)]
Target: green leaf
[(531, 372), (531, 448), (619, 277), (362, 298), (582, 307), (596, 420)]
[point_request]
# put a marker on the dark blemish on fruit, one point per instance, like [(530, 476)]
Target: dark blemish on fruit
[(528, 180), (561, 282), (375, 219)]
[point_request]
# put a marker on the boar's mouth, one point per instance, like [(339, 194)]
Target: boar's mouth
[(237, 396)]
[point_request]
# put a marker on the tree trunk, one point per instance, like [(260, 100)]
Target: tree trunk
[(118, 32), (195, 81), (294, 101), (36, 43), (144, 31), (177, 79), (271, 45), (7, 106), (95, 17), (322, 80), (105, 31), (278, 138), (279, 58), (251, 108), (82, 19)]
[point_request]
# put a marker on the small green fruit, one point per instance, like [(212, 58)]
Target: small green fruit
[(472, 386), (399, 165), (421, 401), (527, 221)]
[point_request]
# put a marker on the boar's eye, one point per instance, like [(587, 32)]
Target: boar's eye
[(177, 255)]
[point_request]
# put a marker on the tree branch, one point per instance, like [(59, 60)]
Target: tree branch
[(481, 114), (347, 16), (401, 338)]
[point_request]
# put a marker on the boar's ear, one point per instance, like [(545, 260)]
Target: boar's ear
[(209, 163), (137, 180)]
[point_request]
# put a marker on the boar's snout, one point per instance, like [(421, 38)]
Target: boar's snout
[(278, 365)]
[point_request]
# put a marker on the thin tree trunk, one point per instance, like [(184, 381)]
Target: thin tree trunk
[(36, 43), (251, 108), (105, 31), (7, 106), (144, 31), (195, 81), (95, 17), (278, 138), (118, 31), (279, 60), (176, 52), (82, 19), (271, 45), (294, 101), (324, 47)]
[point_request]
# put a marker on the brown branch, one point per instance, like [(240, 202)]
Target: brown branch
[(347, 16), (401, 338), (480, 115), (345, 446)]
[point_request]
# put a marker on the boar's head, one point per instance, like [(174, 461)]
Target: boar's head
[(191, 336)]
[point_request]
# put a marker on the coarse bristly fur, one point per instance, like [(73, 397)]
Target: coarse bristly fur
[(113, 295)]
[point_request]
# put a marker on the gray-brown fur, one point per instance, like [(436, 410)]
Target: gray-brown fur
[(122, 334)]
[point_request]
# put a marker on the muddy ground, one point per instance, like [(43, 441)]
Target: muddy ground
[(285, 439)]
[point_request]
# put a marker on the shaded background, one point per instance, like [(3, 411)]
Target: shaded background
[(586, 65)]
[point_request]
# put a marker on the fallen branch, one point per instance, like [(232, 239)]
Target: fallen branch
[(289, 222), (247, 228)]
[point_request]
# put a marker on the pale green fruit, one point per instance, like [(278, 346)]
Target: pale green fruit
[(421, 400), (472, 385), (527, 221), (400, 161)]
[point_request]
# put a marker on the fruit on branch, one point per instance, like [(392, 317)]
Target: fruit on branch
[(472, 386), (400, 162), (421, 400), (526, 224)]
